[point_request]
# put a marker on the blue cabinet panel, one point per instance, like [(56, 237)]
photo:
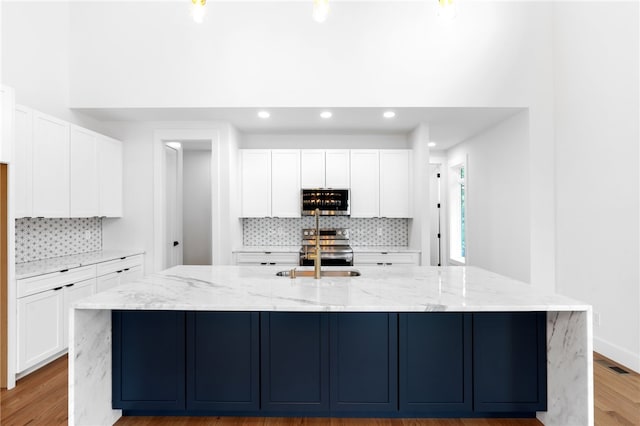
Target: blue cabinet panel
[(295, 361), (148, 360), (435, 362), (364, 362), (509, 361), (223, 370)]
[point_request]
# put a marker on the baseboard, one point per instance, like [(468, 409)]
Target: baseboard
[(618, 354)]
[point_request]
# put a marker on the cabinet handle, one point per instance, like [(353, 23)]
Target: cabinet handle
[(263, 263), (272, 263), (123, 258), (384, 252), (267, 252), (126, 269), (57, 288), (389, 263), (118, 272), (64, 270), (70, 285), (380, 263)]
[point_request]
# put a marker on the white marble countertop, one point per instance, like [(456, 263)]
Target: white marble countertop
[(378, 289), (39, 267), (387, 249), (271, 249)]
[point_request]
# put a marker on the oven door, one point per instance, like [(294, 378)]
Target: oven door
[(329, 259)]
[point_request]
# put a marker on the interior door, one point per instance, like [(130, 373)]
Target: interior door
[(435, 239), (173, 240)]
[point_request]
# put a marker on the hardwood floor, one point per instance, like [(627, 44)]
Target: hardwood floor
[(41, 399)]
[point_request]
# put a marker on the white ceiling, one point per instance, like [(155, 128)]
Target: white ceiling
[(447, 126)]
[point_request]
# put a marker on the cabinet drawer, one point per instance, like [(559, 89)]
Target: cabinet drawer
[(267, 258), (53, 280), (121, 264), (386, 258)]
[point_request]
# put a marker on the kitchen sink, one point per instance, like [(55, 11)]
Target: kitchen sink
[(295, 273)]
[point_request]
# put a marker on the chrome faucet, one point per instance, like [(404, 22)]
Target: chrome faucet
[(317, 263)]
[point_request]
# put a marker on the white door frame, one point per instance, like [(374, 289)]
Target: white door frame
[(160, 137), (178, 234)]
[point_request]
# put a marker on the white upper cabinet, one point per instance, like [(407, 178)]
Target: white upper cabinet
[(7, 103), (256, 183), (337, 173), (285, 183), (312, 168), (325, 168), (50, 166), (83, 173), (365, 189), (395, 187), (23, 162), (110, 176)]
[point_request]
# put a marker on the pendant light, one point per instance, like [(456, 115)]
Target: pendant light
[(197, 10), (447, 9), (320, 10)]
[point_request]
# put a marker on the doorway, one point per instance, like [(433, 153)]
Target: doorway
[(173, 204), (435, 214)]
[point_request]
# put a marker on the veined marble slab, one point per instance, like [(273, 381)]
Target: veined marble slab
[(40, 267), (410, 289), (381, 289)]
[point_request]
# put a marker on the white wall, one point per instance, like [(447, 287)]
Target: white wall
[(35, 58), (597, 163), (196, 196), (498, 197), (323, 141)]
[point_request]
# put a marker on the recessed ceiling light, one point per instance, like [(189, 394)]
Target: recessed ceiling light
[(431, 144), (326, 114), (389, 114), (264, 114)]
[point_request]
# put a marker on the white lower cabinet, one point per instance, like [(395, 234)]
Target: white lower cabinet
[(40, 327), (108, 281), (72, 293), (384, 258)]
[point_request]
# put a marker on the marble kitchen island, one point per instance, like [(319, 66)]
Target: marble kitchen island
[(397, 290)]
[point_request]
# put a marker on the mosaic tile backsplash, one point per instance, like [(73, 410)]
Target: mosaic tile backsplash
[(287, 232), (40, 238)]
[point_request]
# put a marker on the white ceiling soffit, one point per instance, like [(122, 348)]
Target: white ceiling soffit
[(447, 126)]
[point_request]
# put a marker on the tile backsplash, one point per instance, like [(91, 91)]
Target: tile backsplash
[(40, 238), (287, 232)]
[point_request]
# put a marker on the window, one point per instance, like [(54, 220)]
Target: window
[(457, 214)]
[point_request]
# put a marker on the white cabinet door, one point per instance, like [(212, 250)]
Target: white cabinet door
[(7, 102), (131, 274), (73, 293), (50, 166), (23, 162), (395, 169), (108, 281), (40, 327), (83, 173), (285, 183), (365, 191), (110, 176), (312, 170), (337, 169), (256, 183)]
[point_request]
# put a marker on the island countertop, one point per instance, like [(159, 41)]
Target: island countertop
[(378, 289)]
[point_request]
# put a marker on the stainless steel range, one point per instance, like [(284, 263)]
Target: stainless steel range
[(334, 245)]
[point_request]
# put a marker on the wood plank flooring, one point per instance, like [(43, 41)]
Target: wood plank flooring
[(41, 399)]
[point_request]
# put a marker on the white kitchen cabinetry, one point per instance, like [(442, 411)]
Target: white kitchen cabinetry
[(395, 188), (50, 166), (40, 327), (384, 258), (72, 293), (337, 169), (119, 271), (110, 176), (325, 168), (285, 183), (23, 162), (267, 258), (84, 192), (312, 169), (7, 103), (256, 183), (365, 181)]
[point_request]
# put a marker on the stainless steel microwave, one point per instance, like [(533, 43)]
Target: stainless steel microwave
[(331, 202)]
